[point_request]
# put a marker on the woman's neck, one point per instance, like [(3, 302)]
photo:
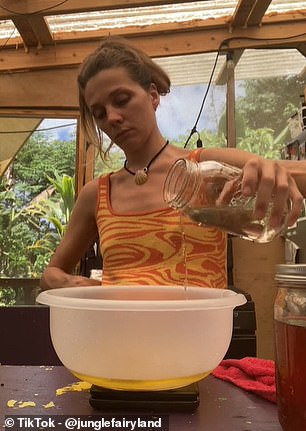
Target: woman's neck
[(142, 156)]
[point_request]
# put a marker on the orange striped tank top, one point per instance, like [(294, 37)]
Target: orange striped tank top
[(149, 248)]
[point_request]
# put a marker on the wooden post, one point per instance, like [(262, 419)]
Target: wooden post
[(230, 102), (89, 162), (80, 159), (85, 158)]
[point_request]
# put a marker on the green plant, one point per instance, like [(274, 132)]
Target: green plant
[(7, 296), (51, 216), (263, 142)]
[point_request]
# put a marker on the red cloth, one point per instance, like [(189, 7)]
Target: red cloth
[(252, 374)]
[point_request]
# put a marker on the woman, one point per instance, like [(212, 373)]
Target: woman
[(142, 241)]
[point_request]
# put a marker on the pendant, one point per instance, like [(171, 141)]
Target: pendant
[(141, 176)]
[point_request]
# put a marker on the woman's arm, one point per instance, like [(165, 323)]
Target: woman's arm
[(277, 180), (81, 231), (236, 157)]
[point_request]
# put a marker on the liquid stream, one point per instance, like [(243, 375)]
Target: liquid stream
[(184, 255)]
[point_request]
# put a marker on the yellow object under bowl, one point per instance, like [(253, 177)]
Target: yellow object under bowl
[(141, 385)]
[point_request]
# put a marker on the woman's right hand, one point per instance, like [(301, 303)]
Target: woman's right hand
[(54, 278), (79, 280), (272, 182)]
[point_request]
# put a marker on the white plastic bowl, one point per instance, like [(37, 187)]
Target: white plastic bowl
[(141, 337)]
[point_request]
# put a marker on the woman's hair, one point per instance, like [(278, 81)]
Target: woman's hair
[(117, 52)]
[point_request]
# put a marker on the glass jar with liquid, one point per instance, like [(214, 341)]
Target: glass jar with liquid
[(290, 346), (209, 192)]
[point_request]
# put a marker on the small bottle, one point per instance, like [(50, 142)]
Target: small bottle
[(290, 345), (96, 274), (209, 192)]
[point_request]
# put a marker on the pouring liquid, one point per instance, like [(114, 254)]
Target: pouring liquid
[(184, 255), (235, 220)]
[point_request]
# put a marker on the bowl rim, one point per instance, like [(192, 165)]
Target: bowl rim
[(63, 298)]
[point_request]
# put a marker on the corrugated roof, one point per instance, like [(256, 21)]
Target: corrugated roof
[(143, 16), (255, 63), (139, 16)]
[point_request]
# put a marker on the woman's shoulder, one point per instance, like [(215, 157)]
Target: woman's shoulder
[(89, 192), (90, 186), (179, 152)]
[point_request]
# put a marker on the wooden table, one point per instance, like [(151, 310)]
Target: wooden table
[(223, 406)]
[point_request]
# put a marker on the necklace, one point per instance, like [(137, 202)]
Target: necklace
[(141, 175)]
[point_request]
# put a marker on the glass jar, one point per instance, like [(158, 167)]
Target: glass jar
[(209, 192), (290, 346)]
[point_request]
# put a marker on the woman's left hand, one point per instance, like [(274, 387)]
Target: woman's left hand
[(272, 182)]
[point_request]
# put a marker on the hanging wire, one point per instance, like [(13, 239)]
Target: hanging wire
[(194, 128), (226, 43), (2, 132), (8, 39)]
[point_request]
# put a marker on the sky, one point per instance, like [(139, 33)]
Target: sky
[(178, 110), (176, 114), (61, 133)]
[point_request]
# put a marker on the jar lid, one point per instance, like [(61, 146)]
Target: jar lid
[(291, 272)]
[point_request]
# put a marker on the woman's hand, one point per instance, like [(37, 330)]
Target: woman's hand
[(54, 278), (79, 280), (273, 183)]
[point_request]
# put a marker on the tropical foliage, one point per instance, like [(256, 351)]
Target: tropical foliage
[(35, 206), (270, 102)]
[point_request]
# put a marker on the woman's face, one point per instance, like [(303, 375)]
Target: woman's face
[(122, 108)]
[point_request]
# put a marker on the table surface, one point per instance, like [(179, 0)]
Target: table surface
[(222, 405)]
